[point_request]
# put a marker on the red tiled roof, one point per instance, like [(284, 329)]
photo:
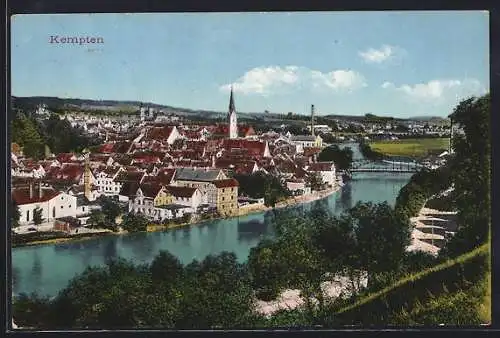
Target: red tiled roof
[(107, 148), (64, 157), (122, 147), (159, 133), (181, 191), (243, 130), (22, 195), (250, 146), (320, 166), (308, 151), (129, 176), (129, 188), (166, 175), (150, 190), (230, 182)]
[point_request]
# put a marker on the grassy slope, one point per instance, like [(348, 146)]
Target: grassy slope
[(456, 292), (410, 147)]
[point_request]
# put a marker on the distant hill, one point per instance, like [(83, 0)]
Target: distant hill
[(56, 104)]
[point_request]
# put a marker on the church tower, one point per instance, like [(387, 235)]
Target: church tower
[(233, 123)]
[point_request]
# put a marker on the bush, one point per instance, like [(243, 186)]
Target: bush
[(268, 293)]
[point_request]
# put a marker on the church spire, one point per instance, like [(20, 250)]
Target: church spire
[(231, 102), (233, 123)]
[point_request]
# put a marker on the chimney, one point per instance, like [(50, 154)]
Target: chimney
[(312, 119), (31, 190), (40, 193)]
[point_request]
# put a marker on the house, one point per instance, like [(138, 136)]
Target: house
[(162, 133), (326, 170), (105, 181), (67, 224), (250, 147), (298, 186), (33, 170), (308, 141), (66, 157), (171, 211), (147, 197), (54, 203), (190, 197), (79, 190), (227, 196), (201, 179), (128, 191), (84, 208), (133, 178)]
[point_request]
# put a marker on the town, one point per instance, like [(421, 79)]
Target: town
[(170, 171), (163, 170)]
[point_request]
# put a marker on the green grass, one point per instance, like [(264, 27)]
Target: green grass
[(457, 291), (411, 147)]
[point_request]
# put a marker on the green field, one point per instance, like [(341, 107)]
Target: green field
[(411, 147)]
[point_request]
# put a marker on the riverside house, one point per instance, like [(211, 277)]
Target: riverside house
[(227, 196), (201, 179), (54, 204)]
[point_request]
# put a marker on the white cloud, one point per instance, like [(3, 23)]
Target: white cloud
[(438, 90), (380, 55), (275, 79), (386, 85)]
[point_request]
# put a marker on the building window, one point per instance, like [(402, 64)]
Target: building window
[(27, 216), (54, 212), (62, 207)]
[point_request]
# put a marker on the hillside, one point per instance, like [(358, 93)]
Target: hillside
[(124, 106), (456, 292)]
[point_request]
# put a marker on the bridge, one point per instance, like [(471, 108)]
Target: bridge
[(366, 166), (383, 170)]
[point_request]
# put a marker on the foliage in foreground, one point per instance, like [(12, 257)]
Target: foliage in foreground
[(451, 293)]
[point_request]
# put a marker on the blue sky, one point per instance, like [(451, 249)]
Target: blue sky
[(388, 63)]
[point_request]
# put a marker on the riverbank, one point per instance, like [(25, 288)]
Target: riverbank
[(242, 211)]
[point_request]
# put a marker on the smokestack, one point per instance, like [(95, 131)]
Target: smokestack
[(31, 190), (312, 119), (40, 193)]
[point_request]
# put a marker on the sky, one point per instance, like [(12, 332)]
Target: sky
[(400, 64)]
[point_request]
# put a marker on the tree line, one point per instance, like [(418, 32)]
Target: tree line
[(39, 138), (220, 292)]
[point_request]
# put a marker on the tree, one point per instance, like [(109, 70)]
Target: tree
[(341, 157), (110, 208), (471, 158), (166, 267), (314, 181), (382, 236), (134, 223), (267, 270), (15, 214), (37, 216), (26, 134), (97, 219)]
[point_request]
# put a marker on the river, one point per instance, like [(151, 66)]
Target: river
[(46, 269)]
